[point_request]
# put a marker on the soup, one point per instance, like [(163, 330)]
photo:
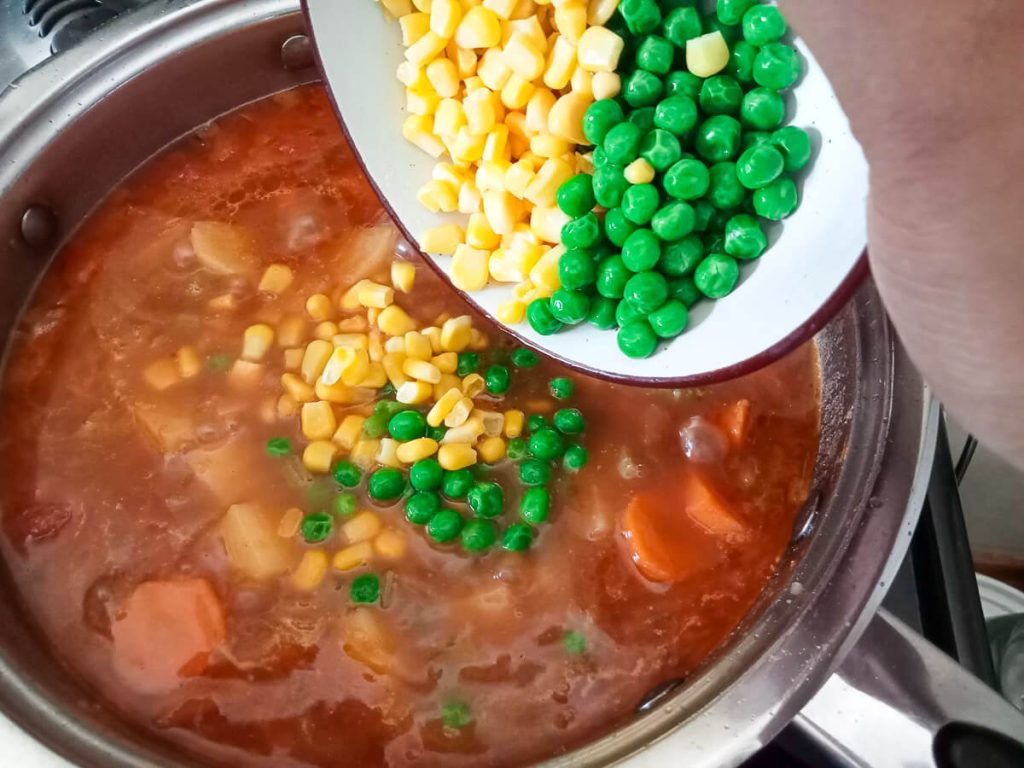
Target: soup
[(228, 588)]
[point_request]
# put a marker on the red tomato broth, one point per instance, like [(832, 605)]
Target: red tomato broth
[(101, 496)]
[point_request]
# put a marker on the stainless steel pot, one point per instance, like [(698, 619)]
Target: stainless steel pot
[(72, 129)]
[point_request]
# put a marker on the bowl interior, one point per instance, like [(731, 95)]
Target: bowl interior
[(810, 270)]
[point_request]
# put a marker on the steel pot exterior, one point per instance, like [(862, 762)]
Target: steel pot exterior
[(71, 130)]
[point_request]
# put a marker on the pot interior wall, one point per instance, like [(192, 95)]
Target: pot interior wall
[(222, 61)]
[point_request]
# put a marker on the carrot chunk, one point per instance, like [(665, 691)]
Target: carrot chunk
[(735, 421), (166, 631), (704, 507)]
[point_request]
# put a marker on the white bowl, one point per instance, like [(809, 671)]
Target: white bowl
[(814, 264)]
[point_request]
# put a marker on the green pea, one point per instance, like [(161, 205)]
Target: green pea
[(681, 25), (655, 54), (609, 185), (637, 340), (445, 526), (642, 89), (741, 62), (535, 421), (516, 449), (777, 66), (754, 138), (721, 95), (389, 408), (759, 166), (762, 109), (732, 11), (683, 84), (346, 473), (344, 504), (365, 588), (640, 252), (731, 32), (376, 425), (725, 191), (575, 458), (714, 242), (640, 203), (407, 425), (576, 269), (661, 149), (646, 291), (670, 319), (570, 307), (744, 237), (561, 387), (478, 535), (546, 444), (622, 143), (676, 114), (386, 484), (763, 24), (468, 363), (218, 363), (612, 276), (702, 213), (582, 232), (486, 499), (795, 146), (617, 228), (316, 527), (673, 221), (641, 16), (718, 138), (533, 472), (643, 118), (687, 180), (681, 257), (778, 200), (497, 379), (425, 475), (601, 117), (421, 507), (517, 538), (437, 433), (541, 318), (535, 505), (626, 312), (456, 714), (601, 315), (525, 358), (569, 421), (600, 158), (574, 643), (456, 484), (717, 275), (576, 195), (279, 446), (685, 290)]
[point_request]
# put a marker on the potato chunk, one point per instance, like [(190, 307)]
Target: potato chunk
[(223, 248), (252, 544)]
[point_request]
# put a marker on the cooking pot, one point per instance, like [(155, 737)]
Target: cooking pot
[(72, 129)]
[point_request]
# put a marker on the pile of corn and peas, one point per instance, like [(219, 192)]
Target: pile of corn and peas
[(396, 413), (616, 158)]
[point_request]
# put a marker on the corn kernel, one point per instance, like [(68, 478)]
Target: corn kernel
[(480, 114), (455, 456), (387, 453), (363, 453), (414, 392), (375, 349), (417, 346), (311, 570), (353, 556), (582, 82), (496, 147), (446, 362), (376, 295), (469, 267), (518, 178), (410, 75), (354, 340), (550, 177), (707, 55), (538, 108), (518, 138), (318, 422), (417, 130), (397, 8), (392, 363), (375, 377), (599, 50), (291, 331), (467, 432), (478, 340), (414, 26), (256, 342), (561, 64), (459, 413), (438, 196), (443, 406), (394, 344), (479, 28), (571, 20), (470, 199), (403, 275), (297, 388), (276, 279), (293, 359), (346, 365), (522, 55), (491, 449), (492, 70), (361, 527), (319, 307), (517, 91), (444, 78), (479, 233), (319, 455), (465, 60), (390, 544), (350, 298), (424, 50), (445, 16), (421, 370), (433, 334), (503, 8), (414, 450), (473, 385), (493, 422), (606, 85), (455, 333), (286, 405), (290, 522), (348, 431), (314, 359), (326, 330), (545, 273), (547, 223), (600, 11), (511, 312), (566, 117), (162, 374), (394, 321), (188, 362)]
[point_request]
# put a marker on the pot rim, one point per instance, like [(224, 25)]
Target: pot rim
[(719, 717)]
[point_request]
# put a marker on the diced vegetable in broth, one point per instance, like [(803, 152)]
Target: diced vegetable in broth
[(223, 248), (252, 544)]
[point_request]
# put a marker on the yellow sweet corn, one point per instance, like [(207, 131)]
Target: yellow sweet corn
[(571, 20), (350, 298), (290, 522), (511, 311), (479, 233), (433, 334), (599, 50), (459, 413), (707, 55), (414, 450), (440, 410), (326, 330), (394, 321), (606, 85), (561, 64), (639, 172), (376, 377), (320, 307), (480, 27), (387, 453), (600, 11), (403, 276), (438, 196), (473, 385), (256, 342), (276, 279), (496, 147), (455, 456), (189, 364), (353, 556), (517, 91), (421, 370), (363, 453), (417, 130), (455, 333), (424, 50), (318, 422), (334, 393), (491, 449), (467, 432), (414, 392), (390, 544), (348, 431), (376, 295), (397, 8), (418, 346), (286, 405), (346, 365), (446, 362), (300, 391), (545, 272), (469, 265), (311, 570), (319, 455), (445, 16), (414, 26), (480, 114), (291, 331), (547, 222), (538, 108), (492, 69), (549, 178), (566, 117)]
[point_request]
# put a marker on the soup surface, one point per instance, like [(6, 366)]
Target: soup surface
[(119, 486)]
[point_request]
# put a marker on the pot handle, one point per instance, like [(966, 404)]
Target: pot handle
[(898, 701)]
